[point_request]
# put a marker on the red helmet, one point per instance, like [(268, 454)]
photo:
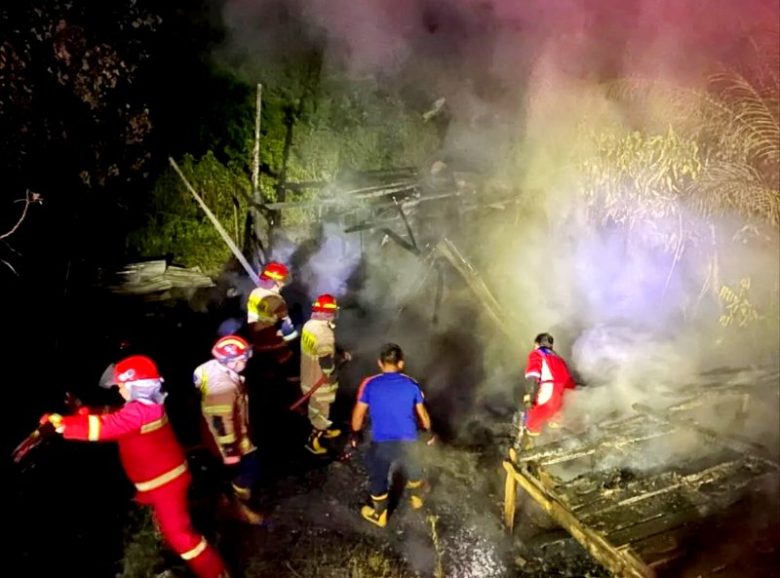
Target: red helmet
[(135, 368), (276, 272), (231, 347), (325, 303)]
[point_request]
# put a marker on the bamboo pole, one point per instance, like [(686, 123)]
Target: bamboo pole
[(217, 225)]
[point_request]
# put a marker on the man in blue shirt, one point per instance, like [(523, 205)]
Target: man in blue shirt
[(395, 404)]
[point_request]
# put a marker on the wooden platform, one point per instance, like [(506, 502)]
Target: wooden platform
[(633, 515)]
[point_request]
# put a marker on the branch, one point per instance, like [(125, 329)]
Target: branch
[(29, 198)]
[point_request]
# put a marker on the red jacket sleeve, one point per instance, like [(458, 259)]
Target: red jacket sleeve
[(105, 427), (533, 369)]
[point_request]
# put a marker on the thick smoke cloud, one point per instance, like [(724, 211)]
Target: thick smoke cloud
[(522, 81)]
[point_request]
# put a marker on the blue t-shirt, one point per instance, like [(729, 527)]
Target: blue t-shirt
[(391, 398)]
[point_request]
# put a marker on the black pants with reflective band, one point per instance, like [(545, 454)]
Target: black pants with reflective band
[(382, 455)]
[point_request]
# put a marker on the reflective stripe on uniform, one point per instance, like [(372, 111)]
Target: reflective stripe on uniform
[(223, 409), (196, 551), (93, 433), (163, 479), (545, 392), (227, 439), (154, 425)]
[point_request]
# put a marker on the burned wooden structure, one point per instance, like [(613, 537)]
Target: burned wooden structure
[(636, 521), (153, 279)]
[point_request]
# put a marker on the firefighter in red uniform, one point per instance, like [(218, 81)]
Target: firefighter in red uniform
[(547, 377), (151, 456), (225, 409)]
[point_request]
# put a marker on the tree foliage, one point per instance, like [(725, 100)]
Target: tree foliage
[(178, 228), (718, 156)]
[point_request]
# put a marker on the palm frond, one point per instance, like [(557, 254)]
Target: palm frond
[(735, 187), (755, 117)]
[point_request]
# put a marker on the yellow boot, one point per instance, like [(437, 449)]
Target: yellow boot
[(246, 514), (377, 514), (416, 490), (313, 444)]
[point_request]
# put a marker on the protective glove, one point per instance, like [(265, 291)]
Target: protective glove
[(53, 420), (288, 330)]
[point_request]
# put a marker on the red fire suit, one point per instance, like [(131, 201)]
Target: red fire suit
[(552, 375), (155, 463)]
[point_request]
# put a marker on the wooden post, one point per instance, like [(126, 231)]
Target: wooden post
[(256, 148), (510, 492), (257, 197)]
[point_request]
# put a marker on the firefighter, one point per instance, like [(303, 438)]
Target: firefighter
[(151, 456), (547, 378), (269, 322), (225, 411), (320, 359), (395, 404), (272, 375)]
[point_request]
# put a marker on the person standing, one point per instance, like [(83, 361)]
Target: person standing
[(394, 403), (320, 360), (151, 456), (272, 375), (225, 411), (269, 321), (547, 378)]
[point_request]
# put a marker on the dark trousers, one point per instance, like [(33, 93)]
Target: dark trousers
[(382, 455), (246, 473)]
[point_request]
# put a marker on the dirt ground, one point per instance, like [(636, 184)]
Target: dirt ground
[(69, 511)]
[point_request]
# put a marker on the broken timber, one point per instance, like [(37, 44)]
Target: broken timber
[(620, 561), (637, 521)]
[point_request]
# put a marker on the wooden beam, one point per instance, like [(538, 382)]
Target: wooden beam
[(622, 561), (510, 496)]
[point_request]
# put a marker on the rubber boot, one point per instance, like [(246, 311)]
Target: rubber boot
[(247, 514), (331, 433), (416, 490), (313, 444), (233, 508), (376, 514)]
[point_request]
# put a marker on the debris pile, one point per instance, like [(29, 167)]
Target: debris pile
[(153, 279)]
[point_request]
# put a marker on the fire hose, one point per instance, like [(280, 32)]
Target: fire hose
[(301, 400)]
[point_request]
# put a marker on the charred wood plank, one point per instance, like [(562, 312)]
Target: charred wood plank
[(555, 454), (621, 561), (756, 451)]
